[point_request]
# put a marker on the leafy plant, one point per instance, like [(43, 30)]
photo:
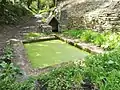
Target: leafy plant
[(107, 40), (8, 78), (98, 39), (63, 78), (8, 54), (112, 81), (112, 41), (8, 75), (87, 36), (73, 33), (28, 84), (99, 69)]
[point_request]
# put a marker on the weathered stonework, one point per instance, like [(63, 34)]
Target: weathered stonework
[(84, 46), (20, 56), (45, 28), (40, 39), (21, 60), (93, 14)]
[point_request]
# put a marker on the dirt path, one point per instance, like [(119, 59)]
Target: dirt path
[(16, 31)]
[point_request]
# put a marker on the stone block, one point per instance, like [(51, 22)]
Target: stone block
[(46, 28)]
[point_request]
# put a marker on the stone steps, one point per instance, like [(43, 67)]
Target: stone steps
[(108, 14), (115, 22), (109, 18), (118, 26), (105, 16)]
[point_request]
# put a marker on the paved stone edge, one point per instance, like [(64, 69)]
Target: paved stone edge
[(39, 39), (21, 59), (84, 46)]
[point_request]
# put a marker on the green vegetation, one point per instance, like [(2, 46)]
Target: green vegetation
[(99, 71), (8, 54), (64, 78), (8, 78), (12, 11), (52, 52), (107, 40), (104, 70), (32, 35), (40, 6), (10, 74)]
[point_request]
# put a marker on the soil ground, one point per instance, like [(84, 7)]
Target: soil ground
[(8, 32)]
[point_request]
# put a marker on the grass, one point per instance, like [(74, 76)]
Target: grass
[(107, 40), (99, 72), (46, 53)]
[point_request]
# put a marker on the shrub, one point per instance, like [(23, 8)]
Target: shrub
[(100, 70), (73, 33), (7, 76), (98, 39), (63, 78), (7, 54), (103, 69), (28, 84), (87, 36), (12, 13), (112, 81), (112, 41), (106, 40)]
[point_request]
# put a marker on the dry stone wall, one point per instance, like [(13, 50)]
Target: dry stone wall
[(93, 14)]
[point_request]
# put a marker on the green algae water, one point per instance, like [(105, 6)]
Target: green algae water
[(46, 53)]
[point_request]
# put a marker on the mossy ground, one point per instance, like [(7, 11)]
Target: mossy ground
[(52, 52)]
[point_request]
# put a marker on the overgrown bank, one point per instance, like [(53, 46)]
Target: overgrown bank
[(100, 72), (10, 74), (108, 40)]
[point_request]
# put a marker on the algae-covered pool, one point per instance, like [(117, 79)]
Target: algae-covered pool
[(46, 53)]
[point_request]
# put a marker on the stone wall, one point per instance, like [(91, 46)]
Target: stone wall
[(94, 14)]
